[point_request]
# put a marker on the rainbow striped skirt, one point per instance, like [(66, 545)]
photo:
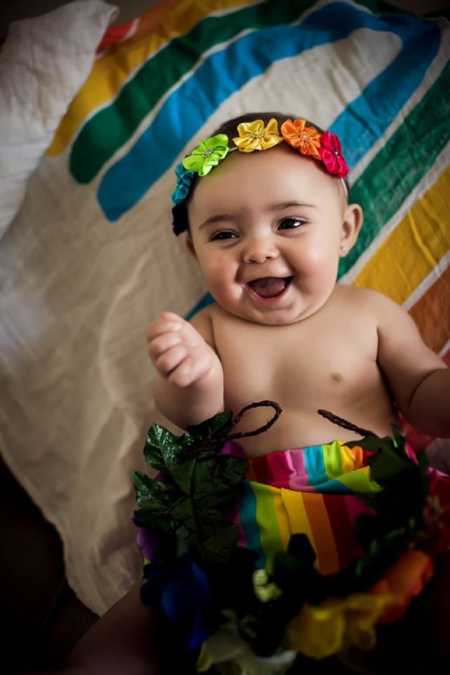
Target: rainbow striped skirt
[(312, 490)]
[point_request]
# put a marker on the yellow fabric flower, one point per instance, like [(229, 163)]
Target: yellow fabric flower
[(255, 136), (231, 655), (264, 590), (326, 629)]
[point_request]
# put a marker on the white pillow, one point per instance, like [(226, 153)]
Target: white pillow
[(43, 63)]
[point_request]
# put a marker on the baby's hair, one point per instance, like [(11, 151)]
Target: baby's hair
[(229, 127)]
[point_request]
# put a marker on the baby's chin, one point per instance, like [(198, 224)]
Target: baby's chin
[(292, 312), (272, 318)]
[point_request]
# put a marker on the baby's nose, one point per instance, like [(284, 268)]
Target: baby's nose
[(259, 250)]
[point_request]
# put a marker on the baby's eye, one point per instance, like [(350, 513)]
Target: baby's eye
[(290, 223), (222, 235)]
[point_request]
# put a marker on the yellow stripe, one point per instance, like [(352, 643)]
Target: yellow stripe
[(113, 69), (338, 458), (297, 514), (359, 481), (282, 517), (414, 248)]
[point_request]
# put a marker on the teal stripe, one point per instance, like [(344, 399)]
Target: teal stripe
[(317, 473), (204, 301), (112, 126), (314, 465), (249, 524), (401, 163)]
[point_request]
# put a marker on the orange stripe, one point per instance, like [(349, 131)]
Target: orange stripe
[(323, 534), (432, 315)]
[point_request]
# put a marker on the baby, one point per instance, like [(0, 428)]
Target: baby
[(267, 216), (265, 211), (267, 226)]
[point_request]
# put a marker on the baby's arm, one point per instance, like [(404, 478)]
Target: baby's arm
[(189, 382), (419, 379)]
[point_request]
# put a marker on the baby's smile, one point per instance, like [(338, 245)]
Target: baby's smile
[(270, 287)]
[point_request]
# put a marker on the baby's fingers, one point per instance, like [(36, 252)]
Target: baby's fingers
[(164, 325), (158, 345), (170, 359), (190, 370)]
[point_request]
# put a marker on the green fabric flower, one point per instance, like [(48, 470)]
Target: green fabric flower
[(207, 154)]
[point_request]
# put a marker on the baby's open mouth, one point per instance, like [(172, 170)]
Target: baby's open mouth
[(270, 287)]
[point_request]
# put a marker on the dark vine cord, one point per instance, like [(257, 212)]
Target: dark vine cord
[(258, 404), (345, 424)]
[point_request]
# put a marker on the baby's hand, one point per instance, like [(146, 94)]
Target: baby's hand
[(178, 351)]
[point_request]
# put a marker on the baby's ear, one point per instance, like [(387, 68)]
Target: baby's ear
[(351, 227)]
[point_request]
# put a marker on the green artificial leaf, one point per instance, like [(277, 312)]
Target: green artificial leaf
[(142, 485), (155, 492), (195, 488), (218, 425), (157, 522), (183, 475), (162, 447), (389, 461), (231, 471), (217, 548)]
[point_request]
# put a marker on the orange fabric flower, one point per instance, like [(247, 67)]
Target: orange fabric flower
[(404, 580), (305, 139)]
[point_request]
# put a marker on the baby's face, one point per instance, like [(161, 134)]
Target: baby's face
[(267, 229)]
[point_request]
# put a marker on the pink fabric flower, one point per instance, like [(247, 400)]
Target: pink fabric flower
[(331, 155)]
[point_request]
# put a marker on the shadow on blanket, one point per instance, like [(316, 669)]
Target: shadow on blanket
[(43, 617)]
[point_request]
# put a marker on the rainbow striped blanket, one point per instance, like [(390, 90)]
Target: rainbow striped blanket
[(90, 258)]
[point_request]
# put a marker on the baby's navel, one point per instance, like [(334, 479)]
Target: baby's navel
[(336, 377)]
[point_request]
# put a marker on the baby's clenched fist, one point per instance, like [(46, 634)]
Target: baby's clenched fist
[(178, 351)]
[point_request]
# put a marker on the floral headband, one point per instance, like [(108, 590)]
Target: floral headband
[(324, 147)]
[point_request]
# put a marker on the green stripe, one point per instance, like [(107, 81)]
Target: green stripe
[(402, 162), (111, 127), (267, 521)]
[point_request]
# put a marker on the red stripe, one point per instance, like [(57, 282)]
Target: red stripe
[(115, 34), (342, 512)]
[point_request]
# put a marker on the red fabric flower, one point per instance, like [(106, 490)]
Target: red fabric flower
[(437, 511), (331, 155)]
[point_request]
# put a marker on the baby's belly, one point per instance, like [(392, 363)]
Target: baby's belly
[(296, 428)]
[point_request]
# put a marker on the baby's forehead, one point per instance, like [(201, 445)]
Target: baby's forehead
[(279, 172)]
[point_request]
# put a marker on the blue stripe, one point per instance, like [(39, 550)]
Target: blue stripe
[(223, 73)]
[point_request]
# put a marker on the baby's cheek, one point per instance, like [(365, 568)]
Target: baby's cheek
[(319, 266), (316, 257)]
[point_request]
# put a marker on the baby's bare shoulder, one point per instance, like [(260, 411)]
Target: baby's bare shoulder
[(203, 323), (365, 300)]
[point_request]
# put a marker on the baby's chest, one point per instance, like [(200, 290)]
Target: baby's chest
[(293, 367)]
